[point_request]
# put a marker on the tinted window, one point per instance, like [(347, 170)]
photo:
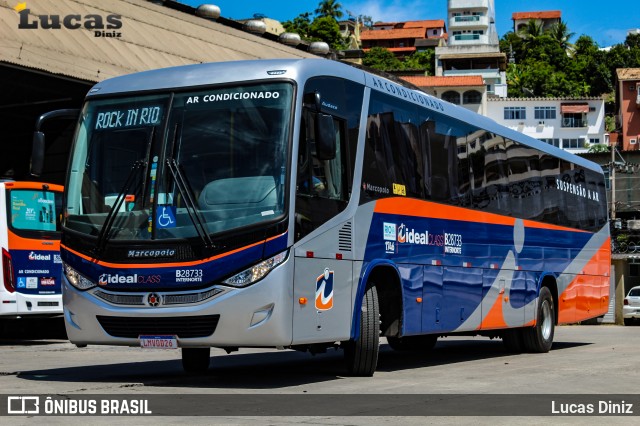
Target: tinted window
[(35, 210), (444, 160), (451, 96), (393, 162), (323, 186)]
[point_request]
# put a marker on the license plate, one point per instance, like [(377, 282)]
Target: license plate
[(158, 342)]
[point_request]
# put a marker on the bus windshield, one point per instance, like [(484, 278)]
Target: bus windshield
[(35, 210), (180, 165)]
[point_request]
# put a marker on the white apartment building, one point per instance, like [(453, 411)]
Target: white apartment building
[(472, 47), (572, 124)]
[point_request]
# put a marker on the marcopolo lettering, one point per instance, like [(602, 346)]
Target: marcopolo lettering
[(151, 254), (92, 22)]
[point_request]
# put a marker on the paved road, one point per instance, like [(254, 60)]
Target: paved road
[(584, 360)]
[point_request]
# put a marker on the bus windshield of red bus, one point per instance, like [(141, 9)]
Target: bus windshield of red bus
[(35, 210), (180, 165)]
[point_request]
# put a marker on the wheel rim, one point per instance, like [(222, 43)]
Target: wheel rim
[(546, 320)]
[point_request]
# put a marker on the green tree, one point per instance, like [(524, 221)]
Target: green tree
[(325, 28), (560, 32), (547, 64), (423, 60), (632, 41), (530, 32), (589, 65), (299, 25), (366, 20), (381, 59), (515, 81), (329, 8)]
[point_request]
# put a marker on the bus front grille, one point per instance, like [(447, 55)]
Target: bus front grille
[(184, 327)]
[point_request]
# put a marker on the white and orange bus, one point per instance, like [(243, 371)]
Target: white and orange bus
[(308, 204), (30, 240)]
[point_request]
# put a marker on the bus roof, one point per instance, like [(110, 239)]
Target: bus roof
[(199, 75)]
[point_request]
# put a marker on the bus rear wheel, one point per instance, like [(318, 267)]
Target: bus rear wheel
[(539, 338), (195, 360), (413, 343), (361, 354)]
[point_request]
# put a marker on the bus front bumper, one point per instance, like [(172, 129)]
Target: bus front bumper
[(259, 315)]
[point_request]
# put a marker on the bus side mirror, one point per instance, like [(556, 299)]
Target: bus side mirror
[(38, 145), (37, 153), (325, 137)]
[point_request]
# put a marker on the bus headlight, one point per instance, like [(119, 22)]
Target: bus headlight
[(76, 279), (256, 272)]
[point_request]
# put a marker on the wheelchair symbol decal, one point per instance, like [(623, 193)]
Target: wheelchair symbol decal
[(166, 217)]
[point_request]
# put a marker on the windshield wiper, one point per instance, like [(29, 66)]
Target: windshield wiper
[(187, 194), (117, 203)]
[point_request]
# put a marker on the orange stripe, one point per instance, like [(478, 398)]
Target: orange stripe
[(539, 225), (167, 265), (494, 318), (16, 242), (421, 208), (33, 185), (587, 296)]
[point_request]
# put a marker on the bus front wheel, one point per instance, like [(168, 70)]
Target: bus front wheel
[(361, 354), (539, 338), (195, 360)]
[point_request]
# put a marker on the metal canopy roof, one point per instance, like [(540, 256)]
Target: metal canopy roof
[(152, 36)]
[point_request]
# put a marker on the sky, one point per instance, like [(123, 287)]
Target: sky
[(606, 22)]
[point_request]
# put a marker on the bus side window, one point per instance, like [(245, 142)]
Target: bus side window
[(322, 185)]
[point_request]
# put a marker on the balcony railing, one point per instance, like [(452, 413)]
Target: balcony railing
[(469, 4), (469, 21), (467, 18), (574, 122), (466, 37), (469, 39)]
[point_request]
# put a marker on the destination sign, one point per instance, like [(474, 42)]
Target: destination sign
[(128, 117)]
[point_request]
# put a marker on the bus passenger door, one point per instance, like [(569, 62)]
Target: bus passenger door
[(322, 301)]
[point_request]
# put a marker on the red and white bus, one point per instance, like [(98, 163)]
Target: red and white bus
[(30, 240)]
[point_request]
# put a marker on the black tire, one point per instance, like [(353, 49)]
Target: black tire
[(413, 343), (195, 360), (539, 338), (361, 355), (513, 340), (628, 321)]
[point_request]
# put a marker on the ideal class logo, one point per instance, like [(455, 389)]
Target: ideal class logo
[(102, 26), (412, 236), (105, 279), (394, 235), (38, 256)]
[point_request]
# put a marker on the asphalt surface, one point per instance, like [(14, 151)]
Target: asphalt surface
[(602, 360)]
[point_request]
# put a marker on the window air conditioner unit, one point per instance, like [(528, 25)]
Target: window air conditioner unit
[(633, 225)]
